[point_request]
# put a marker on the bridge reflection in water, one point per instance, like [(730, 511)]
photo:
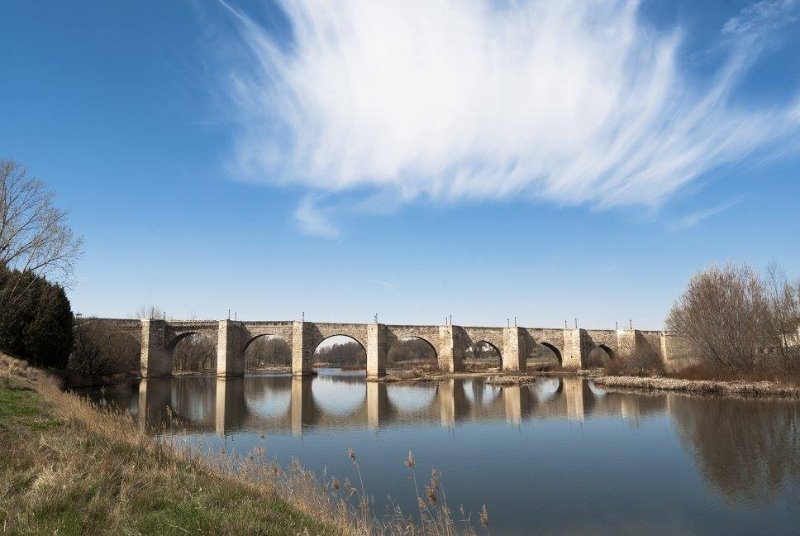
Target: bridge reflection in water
[(284, 404)]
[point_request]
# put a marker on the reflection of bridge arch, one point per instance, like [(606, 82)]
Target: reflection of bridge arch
[(419, 398), (293, 405), (477, 393), (337, 401)]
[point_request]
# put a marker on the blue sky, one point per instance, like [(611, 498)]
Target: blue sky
[(482, 159)]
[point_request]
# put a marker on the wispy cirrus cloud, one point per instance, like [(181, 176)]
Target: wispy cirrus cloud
[(314, 219), (572, 102), (694, 218), (763, 16)]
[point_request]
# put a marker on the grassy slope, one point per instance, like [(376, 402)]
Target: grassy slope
[(68, 468)]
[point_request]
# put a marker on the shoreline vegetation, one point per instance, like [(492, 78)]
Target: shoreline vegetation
[(738, 388), (70, 466)]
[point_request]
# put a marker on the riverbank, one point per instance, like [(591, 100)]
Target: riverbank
[(71, 468), (706, 387)]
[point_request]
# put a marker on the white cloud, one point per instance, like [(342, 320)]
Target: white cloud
[(761, 17), (571, 101), (692, 219), (314, 220)]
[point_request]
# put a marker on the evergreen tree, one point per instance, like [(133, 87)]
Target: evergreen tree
[(36, 321)]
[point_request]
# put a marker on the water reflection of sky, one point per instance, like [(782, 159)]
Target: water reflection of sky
[(410, 397), (558, 456)]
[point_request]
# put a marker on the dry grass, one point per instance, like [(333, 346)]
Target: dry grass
[(642, 362), (710, 387), (423, 365), (757, 374), (514, 379), (481, 365), (70, 467)]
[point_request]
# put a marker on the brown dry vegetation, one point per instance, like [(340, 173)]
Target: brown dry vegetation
[(641, 362), (737, 322), (708, 387), (70, 467), (704, 372)]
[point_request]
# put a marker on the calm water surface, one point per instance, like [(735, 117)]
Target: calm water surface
[(560, 456)]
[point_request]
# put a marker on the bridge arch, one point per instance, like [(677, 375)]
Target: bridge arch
[(543, 354), (483, 354), (340, 349), (266, 350), (173, 342), (192, 350), (600, 355), (412, 351)]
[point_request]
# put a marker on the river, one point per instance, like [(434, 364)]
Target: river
[(560, 456)]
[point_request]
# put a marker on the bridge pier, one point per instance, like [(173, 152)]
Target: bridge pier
[(450, 353), (626, 342), (155, 359), (513, 356), (230, 349), (575, 352), (302, 352), (376, 350)]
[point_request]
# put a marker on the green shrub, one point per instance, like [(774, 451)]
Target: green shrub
[(36, 319)]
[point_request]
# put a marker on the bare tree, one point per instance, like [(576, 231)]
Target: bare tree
[(783, 321), (725, 316), (268, 351), (100, 349), (194, 353), (149, 312), (35, 236)]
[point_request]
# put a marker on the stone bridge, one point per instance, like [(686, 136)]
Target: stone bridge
[(450, 342)]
